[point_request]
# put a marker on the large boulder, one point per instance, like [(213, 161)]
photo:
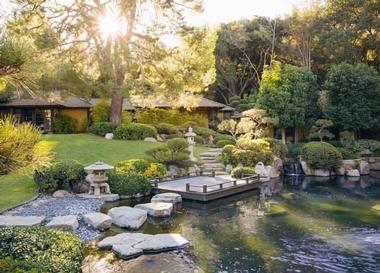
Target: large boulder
[(123, 239), (61, 194), (363, 167), (314, 172), (64, 223), (98, 220), (174, 171), (156, 209), (353, 173), (167, 197), (128, 217), (20, 221), (321, 172), (162, 242)]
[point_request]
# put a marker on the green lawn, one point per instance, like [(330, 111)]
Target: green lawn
[(18, 187)]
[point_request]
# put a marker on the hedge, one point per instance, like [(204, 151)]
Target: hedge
[(321, 155), (102, 128), (63, 124), (128, 184), (240, 172), (134, 131), (142, 166)]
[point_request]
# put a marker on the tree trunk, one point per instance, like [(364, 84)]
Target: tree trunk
[(283, 135), (116, 107), (295, 135)]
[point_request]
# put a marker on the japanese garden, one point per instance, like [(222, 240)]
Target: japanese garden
[(189, 136)]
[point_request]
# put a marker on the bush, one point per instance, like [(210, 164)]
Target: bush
[(277, 147), (223, 137), (222, 143), (173, 152), (177, 145), (227, 155), (101, 111), (366, 144), (63, 125), (259, 151), (294, 149), (128, 184), (102, 128), (240, 172), (167, 129), (348, 154), (321, 155), (38, 249), (134, 131), (376, 153), (141, 166), (347, 139), (61, 175)]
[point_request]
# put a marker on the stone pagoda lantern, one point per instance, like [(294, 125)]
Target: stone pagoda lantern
[(190, 135), (98, 184)]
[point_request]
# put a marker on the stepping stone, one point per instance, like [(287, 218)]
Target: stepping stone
[(123, 239), (98, 220), (168, 197), (127, 217), (156, 209), (64, 223), (162, 242), (126, 252), (20, 221)]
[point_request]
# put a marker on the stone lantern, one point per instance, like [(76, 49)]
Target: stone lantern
[(190, 135), (98, 182)]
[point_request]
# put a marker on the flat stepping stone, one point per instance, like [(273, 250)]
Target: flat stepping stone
[(105, 197), (20, 221), (157, 209), (126, 252), (123, 239), (168, 197), (127, 217), (64, 223), (98, 220), (162, 242)]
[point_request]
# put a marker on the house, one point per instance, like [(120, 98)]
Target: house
[(42, 112)]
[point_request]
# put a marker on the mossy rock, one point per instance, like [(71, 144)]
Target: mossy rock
[(275, 209), (376, 207)]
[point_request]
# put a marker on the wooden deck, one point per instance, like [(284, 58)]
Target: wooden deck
[(207, 188)]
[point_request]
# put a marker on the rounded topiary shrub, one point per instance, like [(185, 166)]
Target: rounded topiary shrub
[(102, 128), (224, 142), (135, 131), (38, 249), (142, 166), (128, 184), (240, 172), (321, 155), (167, 129)]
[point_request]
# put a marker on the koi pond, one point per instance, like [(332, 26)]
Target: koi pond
[(295, 224)]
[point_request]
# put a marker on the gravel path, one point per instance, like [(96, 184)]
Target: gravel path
[(50, 207)]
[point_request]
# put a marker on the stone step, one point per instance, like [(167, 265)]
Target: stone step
[(216, 173), (212, 169), (213, 165), (210, 161), (210, 155), (215, 150)]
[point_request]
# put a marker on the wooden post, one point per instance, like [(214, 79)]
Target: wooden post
[(235, 182), (187, 186), (247, 180), (221, 186), (204, 188), (213, 173)]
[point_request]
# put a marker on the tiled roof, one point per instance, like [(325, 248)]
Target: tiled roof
[(69, 102)]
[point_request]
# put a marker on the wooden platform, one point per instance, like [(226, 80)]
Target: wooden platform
[(207, 188)]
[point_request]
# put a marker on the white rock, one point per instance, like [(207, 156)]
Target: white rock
[(363, 167), (61, 194), (321, 172), (126, 252), (20, 221), (98, 220), (64, 223), (157, 209), (353, 173), (123, 239), (168, 197), (150, 139), (128, 217), (162, 242), (109, 136)]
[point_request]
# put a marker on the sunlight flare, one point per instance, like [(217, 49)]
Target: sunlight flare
[(112, 24)]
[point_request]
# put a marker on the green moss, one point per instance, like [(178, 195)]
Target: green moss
[(376, 207), (275, 209)]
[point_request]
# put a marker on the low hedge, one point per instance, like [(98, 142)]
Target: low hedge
[(38, 249), (134, 131), (142, 166), (321, 155), (59, 176), (240, 172), (102, 128), (167, 129), (128, 184)]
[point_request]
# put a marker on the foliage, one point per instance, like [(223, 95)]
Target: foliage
[(224, 142), (254, 123), (354, 96), (348, 154), (8, 265), (167, 129), (319, 130), (175, 117), (245, 103), (278, 149), (102, 128), (294, 149), (321, 155), (58, 176), (142, 166), (240, 172), (223, 137), (101, 111), (366, 144), (19, 146), (42, 248), (134, 131), (229, 126), (227, 155), (177, 145), (63, 124), (128, 184), (347, 139), (173, 152)]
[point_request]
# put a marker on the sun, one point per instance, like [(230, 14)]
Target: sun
[(111, 24)]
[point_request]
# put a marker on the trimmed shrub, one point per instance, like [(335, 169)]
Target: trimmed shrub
[(59, 176), (63, 124), (240, 172), (223, 137), (224, 142), (134, 131), (126, 117), (366, 144), (347, 139), (260, 152), (142, 166), (294, 149), (128, 184), (321, 155), (174, 152), (177, 145), (277, 147), (167, 129), (38, 249), (348, 154), (101, 111), (102, 128), (227, 155)]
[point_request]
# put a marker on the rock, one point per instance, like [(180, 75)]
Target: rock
[(363, 167), (321, 172), (98, 220), (61, 194), (126, 252), (81, 187), (109, 136), (162, 242), (168, 197), (157, 209), (305, 168), (123, 239), (348, 164), (105, 197), (341, 171), (174, 170), (64, 223), (353, 173), (150, 139), (194, 170), (229, 168), (20, 221), (261, 170), (128, 217), (159, 138)]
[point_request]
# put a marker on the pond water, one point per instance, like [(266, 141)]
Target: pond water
[(294, 224)]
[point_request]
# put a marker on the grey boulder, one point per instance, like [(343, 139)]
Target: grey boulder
[(98, 220), (156, 209), (128, 217), (64, 223), (168, 197), (126, 252), (123, 239), (20, 221), (162, 242)]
